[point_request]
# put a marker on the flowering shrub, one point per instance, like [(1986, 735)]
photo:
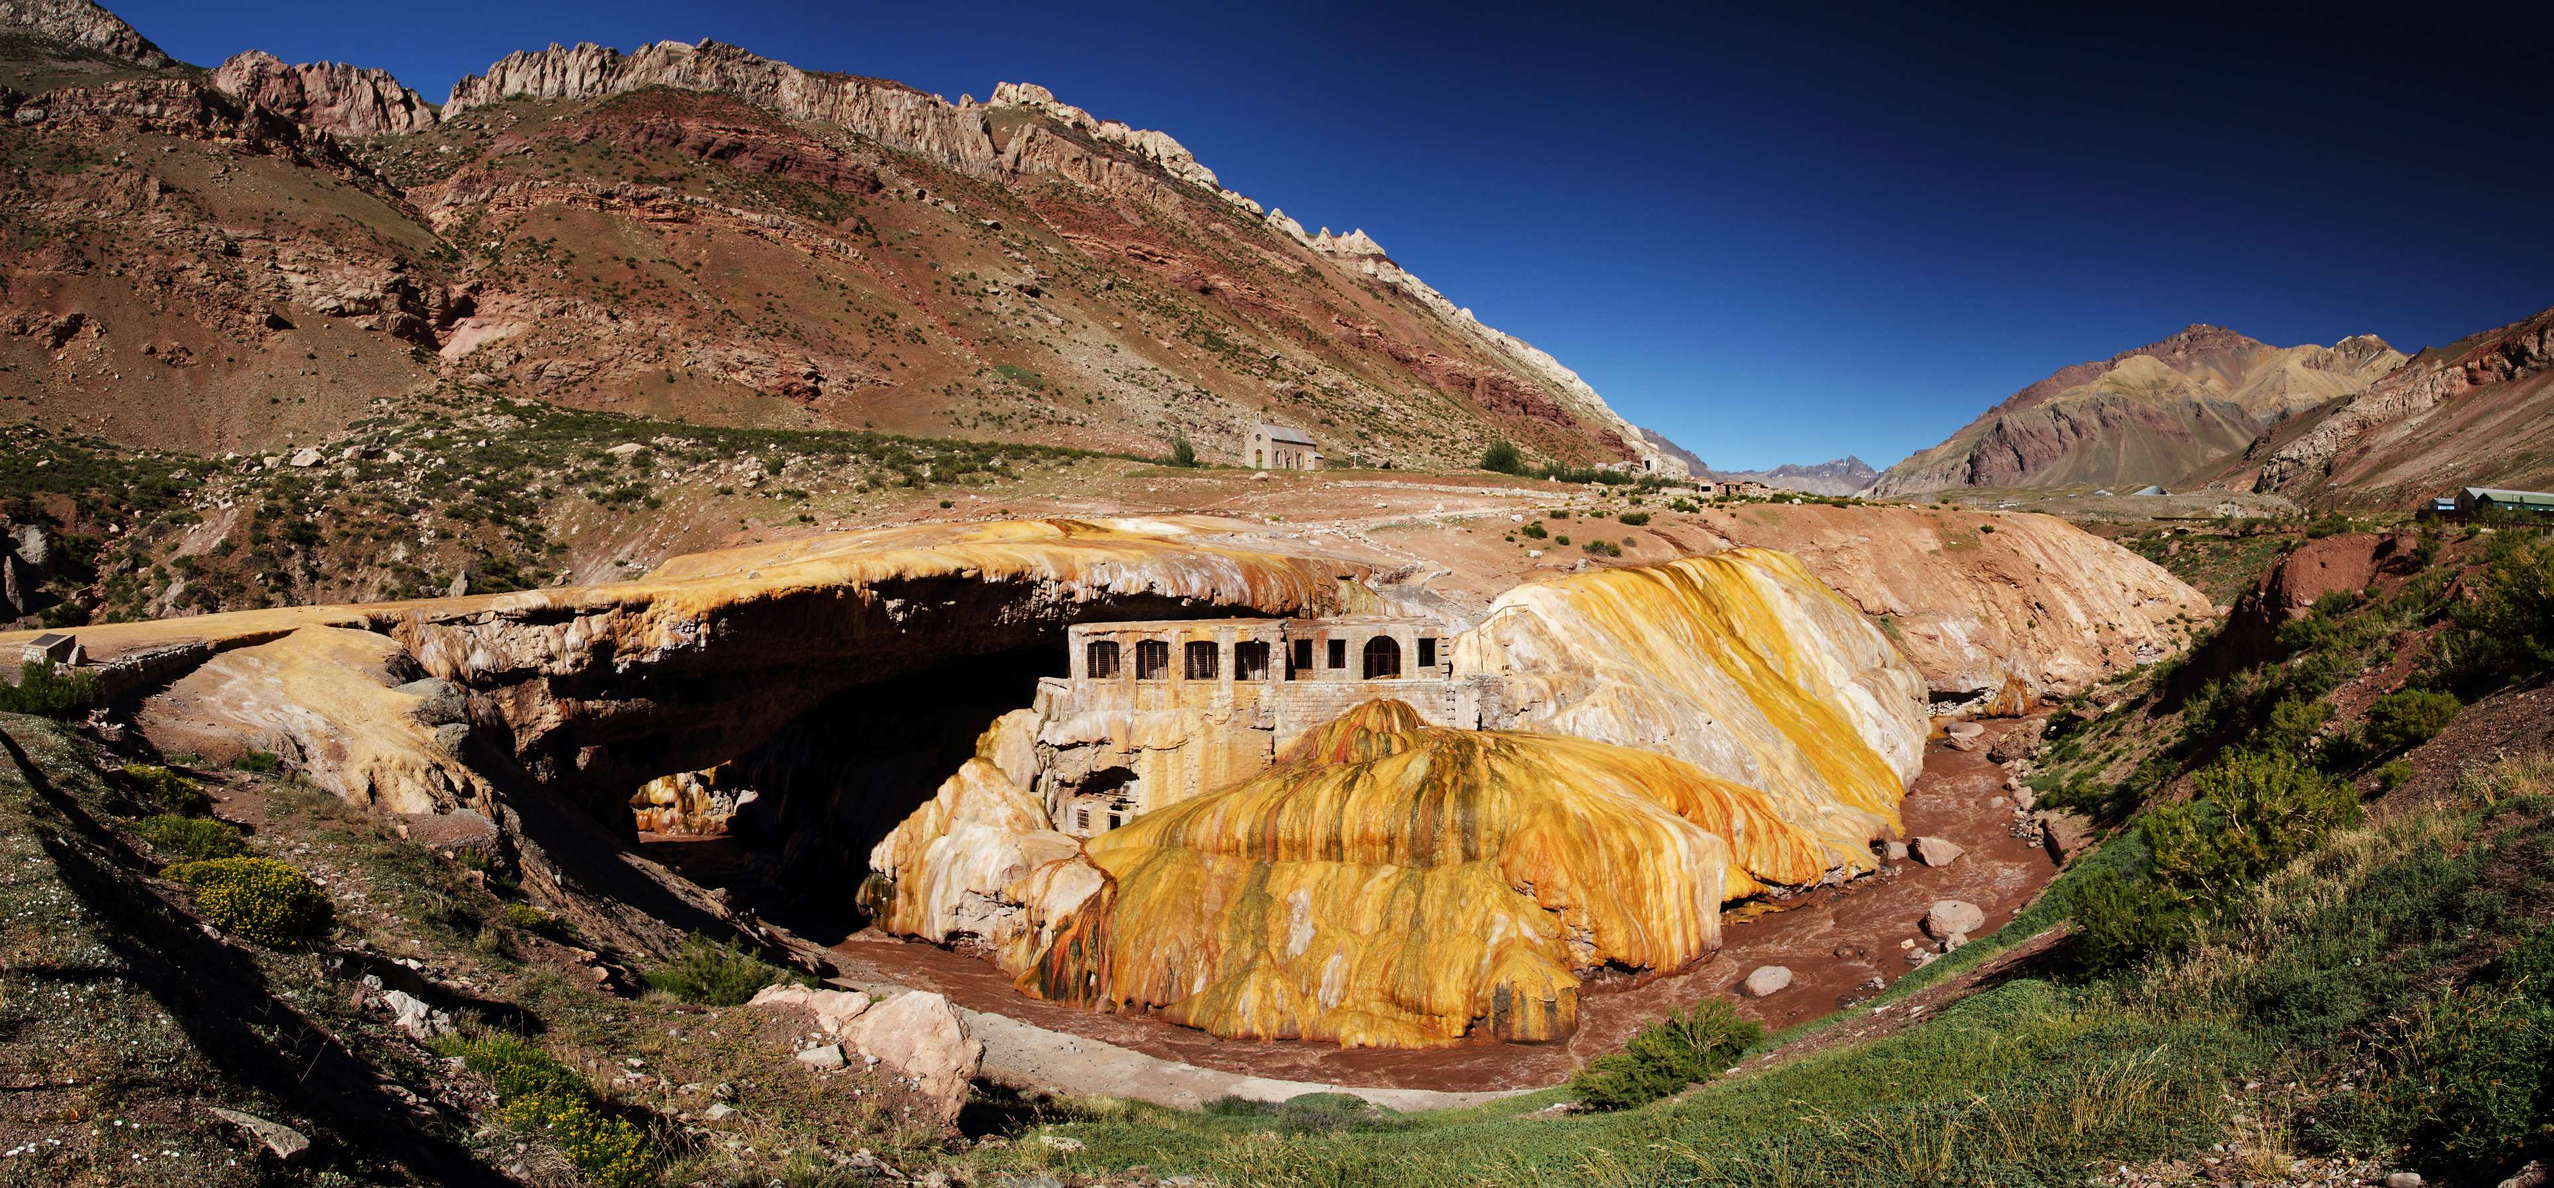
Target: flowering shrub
[(259, 898)]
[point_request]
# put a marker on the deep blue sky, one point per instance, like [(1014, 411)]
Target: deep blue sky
[(1775, 236)]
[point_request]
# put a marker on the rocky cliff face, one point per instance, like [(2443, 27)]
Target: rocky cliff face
[(2476, 413), (2148, 415), (84, 25), (329, 96), (1740, 663), (593, 691), (1997, 611)]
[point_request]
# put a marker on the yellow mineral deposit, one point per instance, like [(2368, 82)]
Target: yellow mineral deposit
[(1394, 884), (981, 832), (1741, 663)]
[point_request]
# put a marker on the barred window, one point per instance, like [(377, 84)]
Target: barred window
[(1198, 659), (1152, 659), (1099, 659), (1250, 661)]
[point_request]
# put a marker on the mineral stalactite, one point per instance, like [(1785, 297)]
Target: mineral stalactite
[(1392, 884)]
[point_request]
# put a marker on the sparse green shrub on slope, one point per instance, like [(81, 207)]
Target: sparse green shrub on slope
[(2405, 719), (713, 974), (194, 838), (1689, 1046), (259, 898), (544, 1099)]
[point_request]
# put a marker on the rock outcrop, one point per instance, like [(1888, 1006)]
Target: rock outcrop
[(955, 866), (917, 1036), (1740, 663), (2346, 563), (1389, 882), (2476, 413), (344, 707), (1998, 611), (2149, 415), (331, 96), (84, 25)]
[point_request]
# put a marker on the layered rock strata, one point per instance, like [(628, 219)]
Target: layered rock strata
[(2476, 413), (1740, 663)]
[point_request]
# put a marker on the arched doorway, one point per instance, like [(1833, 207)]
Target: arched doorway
[(1383, 658)]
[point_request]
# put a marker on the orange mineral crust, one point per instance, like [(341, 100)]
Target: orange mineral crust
[(1394, 884)]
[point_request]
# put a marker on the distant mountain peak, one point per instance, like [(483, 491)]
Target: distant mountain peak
[(2149, 414), (83, 25)]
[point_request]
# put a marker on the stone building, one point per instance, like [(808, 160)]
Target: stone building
[(1276, 447), (1156, 712)]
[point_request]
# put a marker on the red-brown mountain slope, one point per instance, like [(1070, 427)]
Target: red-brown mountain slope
[(257, 254), (2148, 415), (2478, 412)]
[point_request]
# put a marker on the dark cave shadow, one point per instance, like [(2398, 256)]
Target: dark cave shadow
[(832, 782)]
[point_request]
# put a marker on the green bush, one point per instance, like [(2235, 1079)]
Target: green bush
[(2121, 916), (2252, 813), (2292, 725), (543, 1098), (260, 762), (47, 690), (2393, 775), (1502, 458), (1183, 454), (1695, 1044), (1536, 530), (2480, 1062), (2506, 631), (166, 791), (2404, 720), (713, 974), (195, 838), (259, 898), (1635, 519)]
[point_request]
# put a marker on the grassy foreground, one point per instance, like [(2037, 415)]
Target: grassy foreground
[(2038, 1078)]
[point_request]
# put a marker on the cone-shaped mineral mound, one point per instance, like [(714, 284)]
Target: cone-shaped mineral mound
[(1395, 884)]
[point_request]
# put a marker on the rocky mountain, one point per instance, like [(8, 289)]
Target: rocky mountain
[(260, 253), (332, 96), (1842, 476), (2153, 414), (81, 25), (2478, 412)]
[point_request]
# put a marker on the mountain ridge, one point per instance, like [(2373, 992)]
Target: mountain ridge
[(2149, 414), (1061, 277)]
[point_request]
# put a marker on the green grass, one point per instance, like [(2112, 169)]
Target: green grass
[(2378, 969)]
